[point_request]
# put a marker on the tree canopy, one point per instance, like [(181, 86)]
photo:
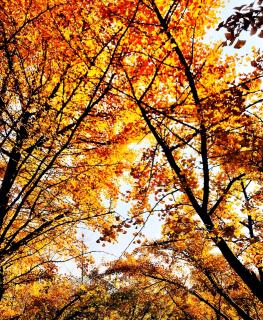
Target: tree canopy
[(80, 83)]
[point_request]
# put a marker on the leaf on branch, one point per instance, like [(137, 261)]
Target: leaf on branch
[(221, 24), (253, 31), (239, 8), (239, 44), (229, 36)]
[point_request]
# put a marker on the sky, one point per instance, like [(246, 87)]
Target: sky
[(152, 228)]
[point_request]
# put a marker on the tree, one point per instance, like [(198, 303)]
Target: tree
[(201, 114), (41, 299), (56, 133), (79, 82), (189, 264)]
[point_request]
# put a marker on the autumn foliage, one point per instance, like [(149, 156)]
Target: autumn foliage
[(81, 82)]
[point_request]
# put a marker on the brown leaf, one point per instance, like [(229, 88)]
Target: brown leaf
[(253, 30), (240, 44), (229, 36), (221, 24), (240, 8), (245, 86)]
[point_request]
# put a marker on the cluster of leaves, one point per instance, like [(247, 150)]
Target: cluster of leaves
[(245, 17)]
